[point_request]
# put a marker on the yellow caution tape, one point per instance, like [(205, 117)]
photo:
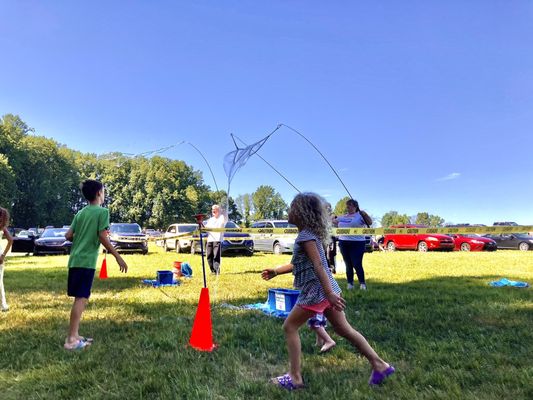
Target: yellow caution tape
[(385, 231), (352, 231)]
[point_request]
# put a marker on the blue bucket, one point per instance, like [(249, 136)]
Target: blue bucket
[(282, 299), (164, 277)]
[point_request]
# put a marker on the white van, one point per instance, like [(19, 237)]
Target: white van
[(175, 243)]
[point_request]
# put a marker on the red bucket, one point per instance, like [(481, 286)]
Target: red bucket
[(177, 269)]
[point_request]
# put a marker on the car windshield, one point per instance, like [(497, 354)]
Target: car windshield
[(523, 236), (284, 225), (126, 228), (187, 228), (54, 233)]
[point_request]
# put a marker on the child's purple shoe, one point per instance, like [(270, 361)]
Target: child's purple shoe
[(377, 377)]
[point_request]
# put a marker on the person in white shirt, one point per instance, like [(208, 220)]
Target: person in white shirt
[(213, 249), (352, 247), (4, 222)]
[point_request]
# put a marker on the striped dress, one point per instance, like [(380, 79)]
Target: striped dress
[(305, 279)]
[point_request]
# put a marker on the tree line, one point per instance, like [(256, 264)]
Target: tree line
[(40, 178), (40, 181)]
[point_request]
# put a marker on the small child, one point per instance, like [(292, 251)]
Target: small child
[(318, 324), (4, 222), (319, 292), (87, 231)]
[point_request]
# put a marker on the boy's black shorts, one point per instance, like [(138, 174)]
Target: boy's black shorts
[(80, 282)]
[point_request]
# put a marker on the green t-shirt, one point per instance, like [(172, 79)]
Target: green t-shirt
[(86, 226)]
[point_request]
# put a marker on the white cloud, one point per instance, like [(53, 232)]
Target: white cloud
[(449, 177)]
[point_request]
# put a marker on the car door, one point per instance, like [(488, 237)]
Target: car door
[(259, 237), (171, 242), (23, 244), (270, 238), (508, 241)]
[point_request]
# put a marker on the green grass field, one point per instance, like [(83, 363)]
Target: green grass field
[(450, 335)]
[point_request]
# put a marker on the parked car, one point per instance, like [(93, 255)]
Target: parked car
[(233, 242), (128, 237), (415, 241), (152, 233), (519, 241), (178, 244), (24, 242), (52, 241), (473, 242), (277, 243)]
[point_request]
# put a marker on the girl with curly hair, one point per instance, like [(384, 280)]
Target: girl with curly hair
[(4, 222), (319, 292)]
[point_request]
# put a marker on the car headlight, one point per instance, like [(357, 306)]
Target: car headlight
[(477, 241), (432, 239)]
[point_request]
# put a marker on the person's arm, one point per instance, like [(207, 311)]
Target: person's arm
[(366, 217), (69, 235), (9, 239), (109, 247), (268, 274), (311, 251)]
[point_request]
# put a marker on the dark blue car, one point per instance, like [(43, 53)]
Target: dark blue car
[(232, 243)]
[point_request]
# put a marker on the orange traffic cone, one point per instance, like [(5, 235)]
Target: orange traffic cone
[(202, 329), (103, 269)]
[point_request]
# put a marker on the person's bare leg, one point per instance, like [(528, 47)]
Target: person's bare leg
[(344, 329), (75, 317), (297, 317), (327, 342)]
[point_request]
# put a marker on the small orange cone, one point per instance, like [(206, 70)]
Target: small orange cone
[(202, 329), (103, 269)]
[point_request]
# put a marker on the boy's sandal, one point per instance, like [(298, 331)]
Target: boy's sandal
[(377, 377), (79, 345), (285, 382), (89, 340)]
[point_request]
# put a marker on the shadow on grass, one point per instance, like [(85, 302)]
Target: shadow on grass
[(449, 326)]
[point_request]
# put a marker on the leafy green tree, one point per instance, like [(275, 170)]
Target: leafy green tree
[(245, 206), (221, 198), (340, 207), (268, 203), (8, 186), (393, 218), (435, 220)]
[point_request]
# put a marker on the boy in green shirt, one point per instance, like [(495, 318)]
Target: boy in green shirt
[(87, 231)]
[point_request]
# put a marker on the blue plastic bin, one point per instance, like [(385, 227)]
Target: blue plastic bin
[(164, 277), (282, 299)]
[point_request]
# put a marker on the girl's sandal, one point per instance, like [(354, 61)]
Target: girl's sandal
[(377, 378), (285, 382)]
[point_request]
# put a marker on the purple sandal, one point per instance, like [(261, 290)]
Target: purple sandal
[(377, 377), (285, 382)]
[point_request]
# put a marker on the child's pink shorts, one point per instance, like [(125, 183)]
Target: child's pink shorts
[(318, 308)]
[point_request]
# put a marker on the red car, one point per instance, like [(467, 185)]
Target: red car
[(473, 243), (416, 241)]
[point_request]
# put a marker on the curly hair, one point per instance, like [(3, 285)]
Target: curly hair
[(310, 210), (4, 218)]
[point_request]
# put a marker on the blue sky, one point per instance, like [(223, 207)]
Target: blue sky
[(420, 105)]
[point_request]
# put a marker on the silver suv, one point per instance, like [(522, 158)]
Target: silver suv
[(276, 243), (175, 243)]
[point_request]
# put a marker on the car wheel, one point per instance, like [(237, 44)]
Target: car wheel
[(277, 248), (523, 246), (249, 253), (145, 252), (178, 247), (391, 246), (422, 246), (465, 247)]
